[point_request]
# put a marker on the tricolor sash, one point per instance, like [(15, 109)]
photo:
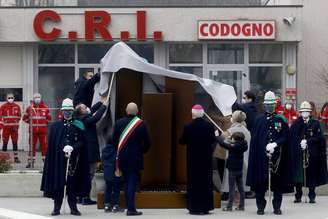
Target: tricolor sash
[(128, 130)]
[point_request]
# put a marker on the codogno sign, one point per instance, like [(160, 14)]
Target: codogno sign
[(236, 30)]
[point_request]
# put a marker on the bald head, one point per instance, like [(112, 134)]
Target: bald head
[(131, 109)]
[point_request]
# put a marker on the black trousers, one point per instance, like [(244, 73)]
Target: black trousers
[(260, 191), (131, 181), (71, 195), (299, 192), (236, 178), (112, 193)]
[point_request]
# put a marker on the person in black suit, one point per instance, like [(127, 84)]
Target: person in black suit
[(85, 88), (131, 140), (90, 117)]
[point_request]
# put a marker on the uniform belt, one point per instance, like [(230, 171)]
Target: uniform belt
[(33, 125), (39, 117), (11, 124), (11, 117)]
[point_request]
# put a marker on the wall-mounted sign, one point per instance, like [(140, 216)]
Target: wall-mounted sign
[(96, 22), (236, 30)]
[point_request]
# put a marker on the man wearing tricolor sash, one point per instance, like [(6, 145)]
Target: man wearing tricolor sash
[(131, 139)]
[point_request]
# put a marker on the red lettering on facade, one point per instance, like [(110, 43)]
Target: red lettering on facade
[(141, 25), (246, 29), (268, 29), (97, 21), (257, 29), (40, 19), (202, 31), (235, 29)]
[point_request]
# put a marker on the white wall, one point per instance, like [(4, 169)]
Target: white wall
[(313, 52), (10, 66)]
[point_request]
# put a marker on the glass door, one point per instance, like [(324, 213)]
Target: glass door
[(230, 77)]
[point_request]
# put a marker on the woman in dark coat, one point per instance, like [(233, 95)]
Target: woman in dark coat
[(309, 151), (200, 138)]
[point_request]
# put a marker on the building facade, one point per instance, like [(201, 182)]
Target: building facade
[(248, 47)]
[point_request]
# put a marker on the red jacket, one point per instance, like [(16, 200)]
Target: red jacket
[(324, 115), (279, 109), (291, 115), (10, 115), (40, 117)]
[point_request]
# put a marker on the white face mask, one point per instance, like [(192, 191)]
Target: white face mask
[(288, 106), (37, 100), (305, 115), (243, 101), (10, 100)]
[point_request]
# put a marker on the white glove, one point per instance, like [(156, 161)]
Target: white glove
[(217, 133), (68, 150), (270, 147), (303, 144)]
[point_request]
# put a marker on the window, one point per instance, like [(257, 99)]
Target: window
[(18, 93), (185, 53), (225, 54), (56, 84), (191, 70), (56, 53), (265, 53), (263, 79), (93, 53)]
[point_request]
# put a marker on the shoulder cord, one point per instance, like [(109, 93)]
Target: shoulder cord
[(275, 165), (71, 170)]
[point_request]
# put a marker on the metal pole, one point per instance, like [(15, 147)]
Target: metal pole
[(110, 86), (304, 174), (212, 121), (269, 180), (65, 186)]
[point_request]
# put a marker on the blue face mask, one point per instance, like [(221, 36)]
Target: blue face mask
[(68, 115)]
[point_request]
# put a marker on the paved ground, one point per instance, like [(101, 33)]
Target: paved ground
[(43, 207)]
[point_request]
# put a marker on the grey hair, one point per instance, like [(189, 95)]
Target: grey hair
[(238, 116)]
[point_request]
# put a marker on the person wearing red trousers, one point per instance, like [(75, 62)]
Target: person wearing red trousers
[(38, 116), (10, 114)]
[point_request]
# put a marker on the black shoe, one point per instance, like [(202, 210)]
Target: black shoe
[(196, 212), (297, 200), (277, 212), (250, 195), (108, 208), (16, 160), (224, 196), (312, 201), (260, 212), (88, 201), (29, 165), (117, 209), (240, 208), (55, 213), (133, 213), (206, 212), (75, 212), (227, 209)]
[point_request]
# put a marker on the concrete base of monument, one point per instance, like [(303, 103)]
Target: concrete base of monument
[(158, 199)]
